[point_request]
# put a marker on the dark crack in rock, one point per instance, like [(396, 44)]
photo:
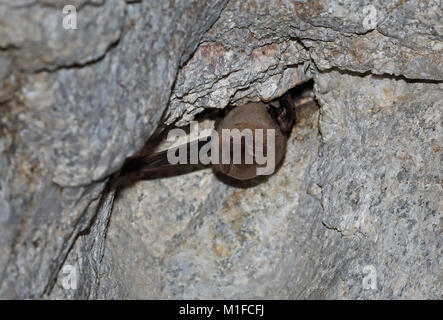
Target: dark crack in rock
[(258, 50), (89, 98), (359, 191), (380, 177)]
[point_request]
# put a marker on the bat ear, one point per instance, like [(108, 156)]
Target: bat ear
[(221, 114), (287, 101)]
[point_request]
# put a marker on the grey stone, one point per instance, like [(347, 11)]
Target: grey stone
[(380, 175), (260, 49), (359, 194), (89, 98), (359, 190), (199, 237)]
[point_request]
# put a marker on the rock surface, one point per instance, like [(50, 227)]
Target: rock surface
[(88, 98), (260, 49), (359, 192), (379, 171)]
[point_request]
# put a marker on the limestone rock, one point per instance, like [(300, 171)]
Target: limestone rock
[(359, 192), (88, 99), (356, 197)]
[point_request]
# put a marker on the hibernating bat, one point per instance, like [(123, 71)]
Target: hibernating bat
[(254, 118)]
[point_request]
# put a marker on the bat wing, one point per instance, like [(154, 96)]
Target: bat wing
[(159, 160)]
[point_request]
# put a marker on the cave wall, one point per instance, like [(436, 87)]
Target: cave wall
[(85, 100), (360, 185)]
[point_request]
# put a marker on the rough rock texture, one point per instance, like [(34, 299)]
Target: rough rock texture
[(88, 98), (361, 184), (380, 179), (259, 49), (363, 189), (206, 236), (355, 194)]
